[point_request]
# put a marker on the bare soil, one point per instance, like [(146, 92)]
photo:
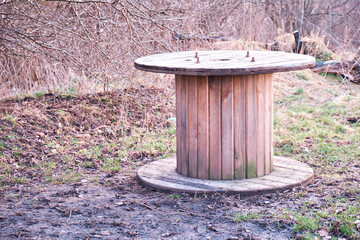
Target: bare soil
[(127, 210), (103, 204)]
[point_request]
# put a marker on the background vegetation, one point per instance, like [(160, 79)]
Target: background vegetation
[(86, 46)]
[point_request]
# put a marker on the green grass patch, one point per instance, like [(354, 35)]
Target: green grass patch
[(111, 164), (174, 196), (315, 130), (10, 118), (238, 217), (306, 223)]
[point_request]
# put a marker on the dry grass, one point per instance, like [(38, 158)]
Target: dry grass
[(314, 45), (286, 42), (239, 44), (81, 47)]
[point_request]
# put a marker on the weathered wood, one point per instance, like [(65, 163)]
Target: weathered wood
[(250, 118), (228, 126), (224, 120), (227, 130), (239, 127), (271, 99), (260, 85), (288, 173), (181, 124), (215, 127), (192, 129), (203, 128), (348, 69), (268, 123), (298, 42), (222, 63)]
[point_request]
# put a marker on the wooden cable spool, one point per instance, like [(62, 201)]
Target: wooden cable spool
[(224, 109)]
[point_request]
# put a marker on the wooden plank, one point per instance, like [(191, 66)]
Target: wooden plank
[(178, 122), (271, 114), (192, 128), (215, 127), (181, 124), (268, 123), (203, 127), (267, 126), (251, 134), (160, 175), (239, 127), (227, 128), (260, 85), (221, 63)]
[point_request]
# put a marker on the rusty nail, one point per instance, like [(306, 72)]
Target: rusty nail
[(197, 61), (247, 54), (196, 55), (253, 59)]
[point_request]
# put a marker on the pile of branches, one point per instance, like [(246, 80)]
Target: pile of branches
[(348, 70)]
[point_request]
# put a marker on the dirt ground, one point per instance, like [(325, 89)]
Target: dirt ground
[(127, 210), (36, 204)]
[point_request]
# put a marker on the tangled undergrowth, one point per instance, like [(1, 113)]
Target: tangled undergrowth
[(57, 138)]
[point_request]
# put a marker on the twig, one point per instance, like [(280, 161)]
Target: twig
[(67, 221), (147, 206)]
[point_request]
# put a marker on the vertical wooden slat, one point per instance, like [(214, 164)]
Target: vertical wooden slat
[(224, 126), (260, 85), (192, 133), (267, 124), (271, 102), (250, 126), (227, 143), (239, 127), (203, 127), (185, 163), (178, 88), (215, 127), (181, 124)]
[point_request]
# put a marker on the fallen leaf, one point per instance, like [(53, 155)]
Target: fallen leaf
[(323, 233)]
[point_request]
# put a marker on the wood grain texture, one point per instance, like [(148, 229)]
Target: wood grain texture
[(203, 127), (251, 124), (178, 122), (192, 128), (239, 127), (224, 126), (224, 120), (181, 124), (215, 127), (271, 117), (268, 122), (260, 85), (288, 173), (227, 130), (220, 63)]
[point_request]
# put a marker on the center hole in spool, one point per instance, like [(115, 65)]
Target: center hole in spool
[(224, 59)]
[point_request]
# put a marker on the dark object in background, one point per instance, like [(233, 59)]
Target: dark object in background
[(298, 42), (353, 119)]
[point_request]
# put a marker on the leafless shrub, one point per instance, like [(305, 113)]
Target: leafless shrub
[(90, 45)]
